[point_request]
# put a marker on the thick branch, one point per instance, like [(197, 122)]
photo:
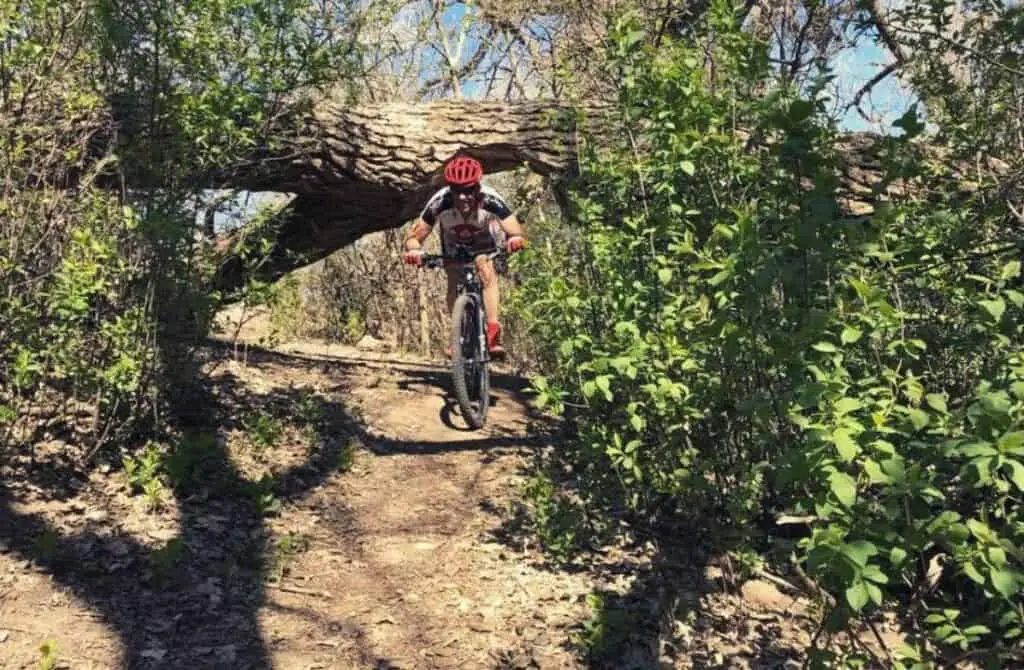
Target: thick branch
[(360, 170)]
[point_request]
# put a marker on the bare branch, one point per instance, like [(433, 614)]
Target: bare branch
[(874, 81)]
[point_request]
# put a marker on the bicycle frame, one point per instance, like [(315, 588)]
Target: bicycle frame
[(468, 282), (466, 364)]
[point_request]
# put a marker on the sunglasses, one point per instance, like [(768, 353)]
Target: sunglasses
[(466, 190)]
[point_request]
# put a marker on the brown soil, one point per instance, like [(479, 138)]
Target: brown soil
[(407, 556)]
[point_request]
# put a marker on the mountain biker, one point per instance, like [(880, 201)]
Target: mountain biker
[(472, 214)]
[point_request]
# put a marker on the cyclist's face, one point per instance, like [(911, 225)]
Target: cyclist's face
[(466, 198)]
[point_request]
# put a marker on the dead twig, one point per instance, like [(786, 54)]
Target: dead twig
[(778, 581), (301, 591)]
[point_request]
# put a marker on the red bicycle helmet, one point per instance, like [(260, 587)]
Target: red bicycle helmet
[(463, 171)]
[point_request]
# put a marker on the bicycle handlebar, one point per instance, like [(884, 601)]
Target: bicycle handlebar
[(460, 255)]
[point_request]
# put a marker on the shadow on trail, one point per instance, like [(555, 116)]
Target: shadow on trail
[(666, 615), (424, 378), (677, 606), (192, 600)]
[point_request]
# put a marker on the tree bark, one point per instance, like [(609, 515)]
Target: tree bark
[(355, 171)]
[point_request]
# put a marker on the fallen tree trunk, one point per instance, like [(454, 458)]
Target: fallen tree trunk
[(358, 170)]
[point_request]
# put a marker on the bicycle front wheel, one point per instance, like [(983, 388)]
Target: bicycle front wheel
[(469, 361)]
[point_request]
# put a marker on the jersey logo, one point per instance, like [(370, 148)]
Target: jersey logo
[(465, 232)]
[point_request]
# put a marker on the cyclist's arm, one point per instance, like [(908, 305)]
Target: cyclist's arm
[(496, 205), (512, 227), (424, 223), (418, 232)]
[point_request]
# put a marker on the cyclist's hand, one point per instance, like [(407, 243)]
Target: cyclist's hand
[(515, 243), (413, 257)]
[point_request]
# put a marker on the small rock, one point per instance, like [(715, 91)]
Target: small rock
[(119, 547), (765, 594), (4, 634), (371, 343), (154, 654), (97, 516), (227, 653)]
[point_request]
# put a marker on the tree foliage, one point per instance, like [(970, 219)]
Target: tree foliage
[(104, 291), (728, 345)]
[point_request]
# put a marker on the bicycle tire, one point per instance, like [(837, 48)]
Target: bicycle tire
[(466, 349)]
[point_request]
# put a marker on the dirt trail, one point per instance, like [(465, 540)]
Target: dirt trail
[(412, 568), (339, 515), (394, 563)]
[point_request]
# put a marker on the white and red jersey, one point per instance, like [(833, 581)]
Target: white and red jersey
[(481, 230)]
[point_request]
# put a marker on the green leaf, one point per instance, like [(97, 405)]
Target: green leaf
[(897, 555), (665, 275), (857, 596), (1016, 473), (844, 488), (1010, 270), (972, 572), (995, 308), (874, 573), (997, 557), (1005, 581), (894, 468), (850, 335), (864, 291), (688, 167), (604, 383), (637, 422), (825, 347), (981, 530), (875, 473), (975, 449), (983, 467), (847, 405), (937, 403), (720, 277), (845, 444), (918, 418), (859, 551), (874, 593), (907, 653), (1012, 443), (979, 629)]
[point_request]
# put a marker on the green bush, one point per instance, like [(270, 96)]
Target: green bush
[(112, 123), (728, 344)]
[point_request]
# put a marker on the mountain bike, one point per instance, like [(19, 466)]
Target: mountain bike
[(470, 376)]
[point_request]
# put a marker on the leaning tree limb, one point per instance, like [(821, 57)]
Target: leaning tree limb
[(358, 170)]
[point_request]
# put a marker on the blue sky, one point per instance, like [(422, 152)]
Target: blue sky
[(888, 100), (854, 67)]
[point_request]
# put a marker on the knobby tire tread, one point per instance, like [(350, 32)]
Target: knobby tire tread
[(473, 417)]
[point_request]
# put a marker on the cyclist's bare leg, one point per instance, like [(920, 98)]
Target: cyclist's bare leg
[(453, 280), (489, 282)]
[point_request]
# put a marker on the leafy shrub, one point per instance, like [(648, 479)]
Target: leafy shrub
[(728, 343)]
